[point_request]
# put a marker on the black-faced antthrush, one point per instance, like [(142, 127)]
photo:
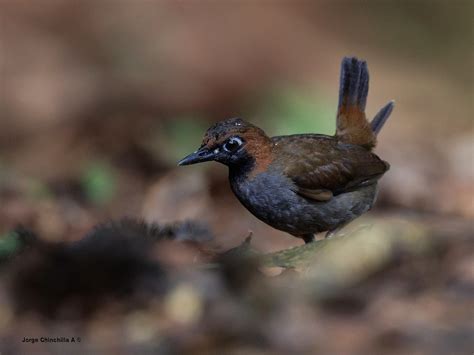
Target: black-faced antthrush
[(305, 183)]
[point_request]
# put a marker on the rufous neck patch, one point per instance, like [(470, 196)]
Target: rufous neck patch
[(261, 150)]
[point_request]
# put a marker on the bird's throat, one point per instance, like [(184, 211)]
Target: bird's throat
[(242, 170)]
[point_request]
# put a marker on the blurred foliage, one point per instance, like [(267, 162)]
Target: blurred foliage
[(37, 189), (388, 286), (9, 243), (99, 182), (293, 111)]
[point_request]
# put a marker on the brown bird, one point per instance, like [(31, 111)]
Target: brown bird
[(305, 184)]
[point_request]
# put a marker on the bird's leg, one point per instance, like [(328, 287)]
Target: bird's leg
[(308, 238)]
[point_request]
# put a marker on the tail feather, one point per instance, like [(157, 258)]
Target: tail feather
[(352, 124), (381, 117), (354, 83)]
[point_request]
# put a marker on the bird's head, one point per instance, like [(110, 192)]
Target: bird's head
[(235, 143)]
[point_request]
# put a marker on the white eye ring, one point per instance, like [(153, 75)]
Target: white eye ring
[(232, 144)]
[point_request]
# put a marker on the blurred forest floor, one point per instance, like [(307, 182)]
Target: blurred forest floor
[(98, 101)]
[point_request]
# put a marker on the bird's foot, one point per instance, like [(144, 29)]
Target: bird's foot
[(308, 238)]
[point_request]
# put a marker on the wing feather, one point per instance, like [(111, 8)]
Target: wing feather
[(322, 167)]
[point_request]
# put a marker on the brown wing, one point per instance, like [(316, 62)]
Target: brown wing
[(322, 167)]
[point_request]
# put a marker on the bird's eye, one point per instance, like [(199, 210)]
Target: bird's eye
[(232, 144)]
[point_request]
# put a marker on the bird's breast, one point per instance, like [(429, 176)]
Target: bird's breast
[(270, 198)]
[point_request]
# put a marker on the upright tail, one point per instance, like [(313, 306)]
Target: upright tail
[(352, 124)]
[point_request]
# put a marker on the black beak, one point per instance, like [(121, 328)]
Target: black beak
[(201, 155)]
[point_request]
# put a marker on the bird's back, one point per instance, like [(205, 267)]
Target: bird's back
[(316, 161)]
